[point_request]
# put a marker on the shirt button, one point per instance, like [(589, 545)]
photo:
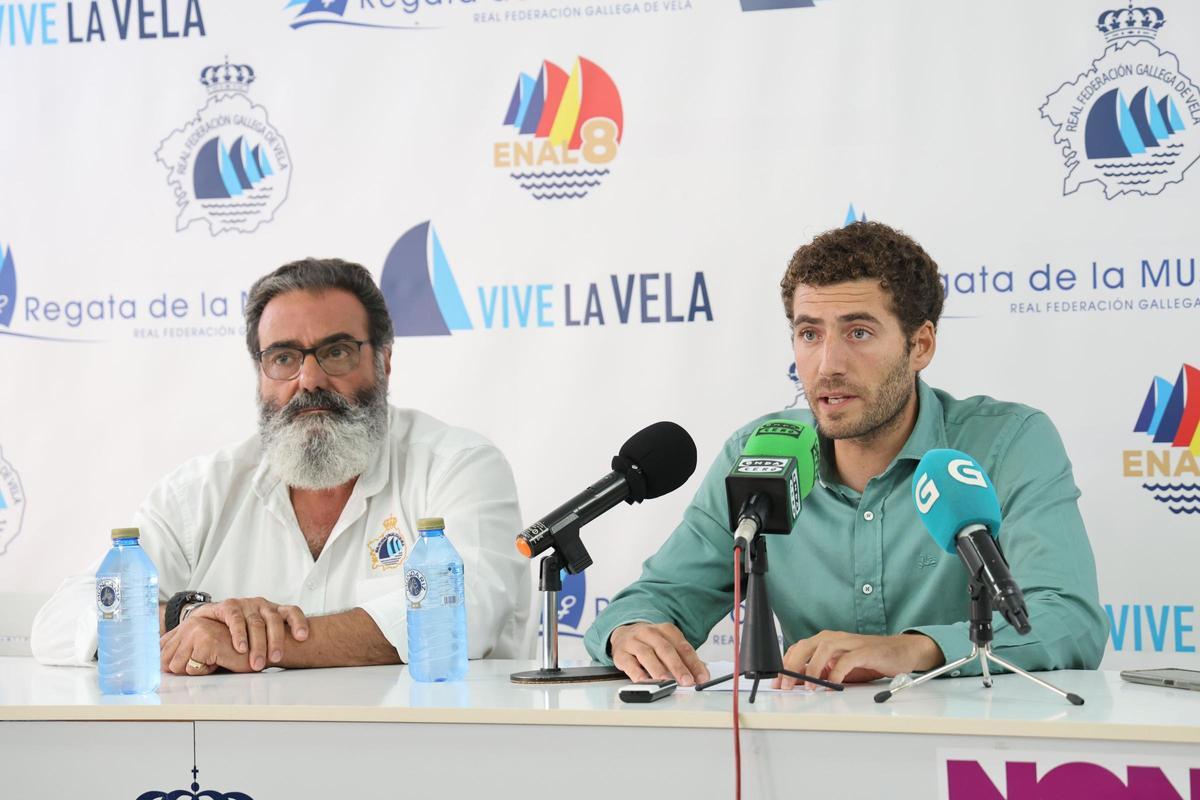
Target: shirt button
[(312, 585), (868, 588), (868, 515), (956, 673)]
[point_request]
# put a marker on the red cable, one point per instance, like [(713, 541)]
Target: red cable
[(737, 735)]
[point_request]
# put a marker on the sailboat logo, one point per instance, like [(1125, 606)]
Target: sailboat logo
[(1170, 415), (419, 287), (567, 127), (227, 167), (1129, 122), (8, 285), (12, 503)]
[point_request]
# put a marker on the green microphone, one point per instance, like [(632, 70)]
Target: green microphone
[(766, 488)]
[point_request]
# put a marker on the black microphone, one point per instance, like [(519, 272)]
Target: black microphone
[(655, 461)]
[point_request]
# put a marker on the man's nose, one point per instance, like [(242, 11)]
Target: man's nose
[(311, 375), (833, 358)]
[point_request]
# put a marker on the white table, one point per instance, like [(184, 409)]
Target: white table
[(373, 732)]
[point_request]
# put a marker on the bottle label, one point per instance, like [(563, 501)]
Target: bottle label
[(108, 597), (415, 587)]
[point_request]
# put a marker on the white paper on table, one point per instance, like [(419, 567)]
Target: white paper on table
[(718, 668)]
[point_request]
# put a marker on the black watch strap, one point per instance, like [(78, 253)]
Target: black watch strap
[(177, 602)]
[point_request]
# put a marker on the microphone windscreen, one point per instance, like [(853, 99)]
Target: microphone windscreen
[(952, 491), (781, 438), (665, 454)]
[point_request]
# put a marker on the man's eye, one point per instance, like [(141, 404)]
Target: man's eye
[(808, 335), (337, 351), (860, 333), (281, 359)]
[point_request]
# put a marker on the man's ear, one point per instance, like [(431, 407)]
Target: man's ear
[(387, 361), (923, 344)]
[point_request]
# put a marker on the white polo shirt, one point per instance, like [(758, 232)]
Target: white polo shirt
[(224, 524)]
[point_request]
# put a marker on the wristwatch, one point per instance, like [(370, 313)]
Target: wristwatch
[(177, 603)]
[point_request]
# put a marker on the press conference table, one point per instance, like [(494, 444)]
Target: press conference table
[(373, 732)]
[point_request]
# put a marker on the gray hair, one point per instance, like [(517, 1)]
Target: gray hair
[(315, 275)]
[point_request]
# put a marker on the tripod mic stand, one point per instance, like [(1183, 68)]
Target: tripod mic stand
[(981, 648), (760, 657)]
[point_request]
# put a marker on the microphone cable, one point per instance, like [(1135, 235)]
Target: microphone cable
[(737, 668)]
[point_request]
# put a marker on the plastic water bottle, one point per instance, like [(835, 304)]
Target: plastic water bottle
[(127, 610), (437, 611)]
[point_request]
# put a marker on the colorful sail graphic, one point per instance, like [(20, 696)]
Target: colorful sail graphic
[(556, 106), (1171, 412)]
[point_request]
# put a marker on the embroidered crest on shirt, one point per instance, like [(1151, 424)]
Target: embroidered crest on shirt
[(388, 548)]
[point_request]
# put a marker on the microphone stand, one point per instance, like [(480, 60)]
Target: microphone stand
[(570, 553), (760, 657), (981, 648)]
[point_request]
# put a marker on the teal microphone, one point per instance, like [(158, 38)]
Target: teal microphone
[(957, 503)]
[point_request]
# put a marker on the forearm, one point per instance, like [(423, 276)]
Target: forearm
[(346, 639)]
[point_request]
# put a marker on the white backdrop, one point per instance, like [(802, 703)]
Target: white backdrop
[(743, 133)]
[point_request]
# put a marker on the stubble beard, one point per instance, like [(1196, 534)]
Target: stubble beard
[(880, 415), (324, 449)]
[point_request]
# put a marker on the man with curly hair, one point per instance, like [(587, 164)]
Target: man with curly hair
[(860, 589)]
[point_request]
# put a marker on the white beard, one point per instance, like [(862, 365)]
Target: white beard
[(325, 449)]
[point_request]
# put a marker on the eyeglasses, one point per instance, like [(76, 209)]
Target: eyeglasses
[(336, 358)]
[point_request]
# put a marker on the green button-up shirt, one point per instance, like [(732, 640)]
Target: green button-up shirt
[(865, 563)]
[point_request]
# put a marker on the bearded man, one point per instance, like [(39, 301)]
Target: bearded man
[(860, 589), (288, 549)]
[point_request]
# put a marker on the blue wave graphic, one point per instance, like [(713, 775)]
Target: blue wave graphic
[(303, 23), (1166, 487), (583, 173), (1183, 498), (1184, 510), (561, 185), (560, 195)]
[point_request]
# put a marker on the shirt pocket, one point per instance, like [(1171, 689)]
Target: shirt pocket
[(375, 588)]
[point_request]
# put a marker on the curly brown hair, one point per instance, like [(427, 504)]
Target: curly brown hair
[(871, 250)]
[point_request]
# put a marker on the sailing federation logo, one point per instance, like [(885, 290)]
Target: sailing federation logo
[(568, 128), (228, 167), (1170, 416), (388, 548), (1129, 122), (12, 504)]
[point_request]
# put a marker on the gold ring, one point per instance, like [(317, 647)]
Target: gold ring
[(193, 664)]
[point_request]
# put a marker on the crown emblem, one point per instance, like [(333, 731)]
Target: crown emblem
[(221, 78), (1124, 24), (390, 524)]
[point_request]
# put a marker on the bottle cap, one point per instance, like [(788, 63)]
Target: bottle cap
[(125, 533), (431, 524)]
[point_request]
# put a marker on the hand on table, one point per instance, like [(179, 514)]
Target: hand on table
[(645, 651), (256, 627), (855, 658), (200, 641)]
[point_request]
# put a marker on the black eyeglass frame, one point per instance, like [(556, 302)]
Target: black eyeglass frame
[(305, 352)]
